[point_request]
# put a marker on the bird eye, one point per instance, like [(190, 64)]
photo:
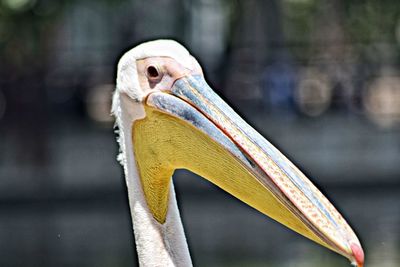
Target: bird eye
[(153, 73)]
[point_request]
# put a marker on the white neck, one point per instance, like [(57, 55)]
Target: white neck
[(157, 244)]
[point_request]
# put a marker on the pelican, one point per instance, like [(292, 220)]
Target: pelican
[(168, 118)]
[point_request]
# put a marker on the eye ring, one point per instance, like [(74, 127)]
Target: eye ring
[(153, 73)]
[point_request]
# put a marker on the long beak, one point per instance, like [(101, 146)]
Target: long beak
[(198, 131)]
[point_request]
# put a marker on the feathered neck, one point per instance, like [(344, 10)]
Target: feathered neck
[(157, 244)]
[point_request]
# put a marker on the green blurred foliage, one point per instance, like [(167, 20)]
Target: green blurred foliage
[(298, 20), (371, 21), (27, 27)]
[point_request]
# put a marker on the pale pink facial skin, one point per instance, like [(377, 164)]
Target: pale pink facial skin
[(160, 73)]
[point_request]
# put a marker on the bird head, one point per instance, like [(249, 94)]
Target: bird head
[(174, 120)]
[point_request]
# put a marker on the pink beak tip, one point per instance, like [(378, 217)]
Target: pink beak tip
[(358, 254)]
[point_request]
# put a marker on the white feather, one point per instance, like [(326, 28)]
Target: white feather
[(127, 81)]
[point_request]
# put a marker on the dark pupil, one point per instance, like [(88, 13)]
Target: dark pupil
[(152, 72)]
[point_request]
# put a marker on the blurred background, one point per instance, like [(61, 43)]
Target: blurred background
[(320, 79)]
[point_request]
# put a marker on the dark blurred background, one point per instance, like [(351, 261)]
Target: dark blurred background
[(320, 79)]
